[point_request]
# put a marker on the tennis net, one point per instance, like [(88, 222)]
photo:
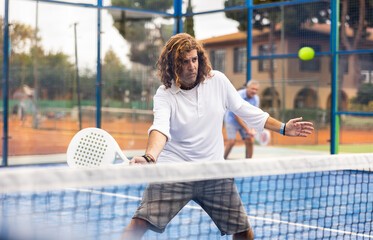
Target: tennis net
[(311, 197)]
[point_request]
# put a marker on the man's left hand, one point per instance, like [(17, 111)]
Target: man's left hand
[(296, 128)]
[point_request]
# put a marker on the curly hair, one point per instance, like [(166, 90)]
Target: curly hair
[(170, 61)]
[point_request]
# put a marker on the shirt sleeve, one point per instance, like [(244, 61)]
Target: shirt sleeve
[(257, 100), (162, 113), (252, 116), (234, 99)]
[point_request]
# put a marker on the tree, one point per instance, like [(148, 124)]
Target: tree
[(364, 94), (355, 16), (21, 37), (113, 76), (55, 75), (146, 35), (117, 79), (55, 72), (268, 18), (141, 32), (189, 22), (159, 5)]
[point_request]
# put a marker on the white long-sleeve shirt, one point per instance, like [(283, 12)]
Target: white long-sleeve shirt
[(192, 119)]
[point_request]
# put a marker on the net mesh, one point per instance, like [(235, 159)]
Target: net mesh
[(317, 197)]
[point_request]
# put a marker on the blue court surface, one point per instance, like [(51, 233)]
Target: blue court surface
[(323, 205)]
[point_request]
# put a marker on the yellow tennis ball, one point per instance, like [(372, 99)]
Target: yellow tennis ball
[(306, 53)]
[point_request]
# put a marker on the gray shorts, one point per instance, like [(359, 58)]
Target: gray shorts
[(219, 198), (232, 129)]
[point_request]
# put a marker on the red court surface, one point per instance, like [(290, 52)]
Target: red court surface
[(55, 137)]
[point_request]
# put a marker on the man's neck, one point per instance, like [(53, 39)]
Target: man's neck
[(188, 87)]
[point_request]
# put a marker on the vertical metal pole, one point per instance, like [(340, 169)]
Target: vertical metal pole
[(178, 26), (5, 84), (283, 112), (334, 45), (249, 38), (77, 78), (98, 75), (35, 121), (249, 45)]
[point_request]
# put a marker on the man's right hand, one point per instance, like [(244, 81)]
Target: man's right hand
[(138, 160)]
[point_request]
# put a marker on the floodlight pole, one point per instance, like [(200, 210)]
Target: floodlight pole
[(77, 78), (35, 123)]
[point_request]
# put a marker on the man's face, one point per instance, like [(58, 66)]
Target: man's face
[(252, 90), (189, 68)]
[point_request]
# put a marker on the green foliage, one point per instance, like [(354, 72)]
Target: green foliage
[(21, 35), (55, 74), (145, 36), (364, 94), (354, 13), (239, 16), (166, 32), (300, 13), (189, 22), (357, 122), (258, 2), (159, 5), (134, 31), (357, 17), (117, 79), (265, 17), (146, 54)]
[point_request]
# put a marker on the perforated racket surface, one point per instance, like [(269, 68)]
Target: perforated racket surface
[(93, 147)]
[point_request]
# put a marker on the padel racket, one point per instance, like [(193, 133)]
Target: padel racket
[(263, 137), (93, 147)]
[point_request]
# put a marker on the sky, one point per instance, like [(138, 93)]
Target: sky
[(56, 27)]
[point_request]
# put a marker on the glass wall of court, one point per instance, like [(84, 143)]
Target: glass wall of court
[(69, 65)]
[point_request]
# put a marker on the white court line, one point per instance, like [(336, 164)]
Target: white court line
[(119, 195), (105, 193), (310, 226), (249, 216)]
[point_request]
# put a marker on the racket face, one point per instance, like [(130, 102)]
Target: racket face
[(263, 137), (91, 147)]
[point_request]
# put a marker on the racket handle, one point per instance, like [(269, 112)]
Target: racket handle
[(124, 158)]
